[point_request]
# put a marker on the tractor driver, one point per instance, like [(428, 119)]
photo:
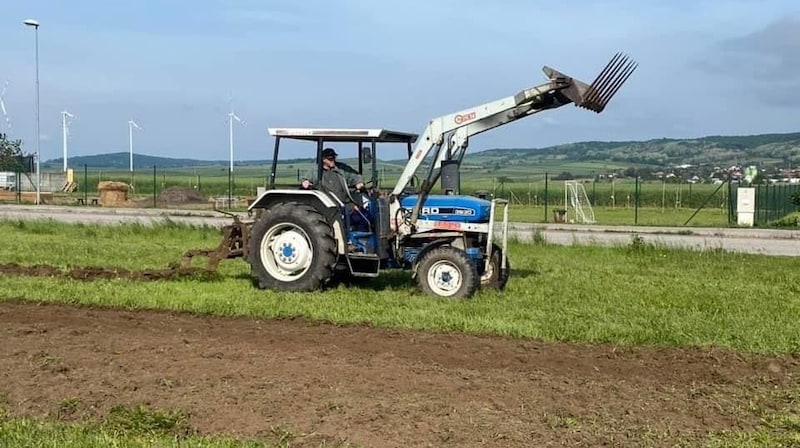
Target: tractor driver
[(338, 178)]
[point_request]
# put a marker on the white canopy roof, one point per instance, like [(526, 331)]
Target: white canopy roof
[(344, 135)]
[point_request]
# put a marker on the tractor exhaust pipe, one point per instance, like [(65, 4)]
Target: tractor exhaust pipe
[(595, 97)]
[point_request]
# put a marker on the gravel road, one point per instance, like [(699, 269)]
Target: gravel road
[(748, 240)]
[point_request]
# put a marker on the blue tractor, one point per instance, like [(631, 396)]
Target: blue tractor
[(302, 239)]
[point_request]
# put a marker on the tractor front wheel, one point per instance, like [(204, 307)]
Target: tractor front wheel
[(494, 277), (448, 272), (292, 248)]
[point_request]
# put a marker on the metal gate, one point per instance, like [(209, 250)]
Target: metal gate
[(774, 202)]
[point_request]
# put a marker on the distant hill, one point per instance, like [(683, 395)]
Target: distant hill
[(761, 149), (121, 160)]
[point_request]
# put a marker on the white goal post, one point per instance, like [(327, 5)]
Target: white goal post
[(577, 204)]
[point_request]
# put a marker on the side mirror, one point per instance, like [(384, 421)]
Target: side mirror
[(366, 154)]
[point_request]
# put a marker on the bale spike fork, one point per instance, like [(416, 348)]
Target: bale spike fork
[(596, 96)]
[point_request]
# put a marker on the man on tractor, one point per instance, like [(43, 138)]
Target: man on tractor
[(338, 178)]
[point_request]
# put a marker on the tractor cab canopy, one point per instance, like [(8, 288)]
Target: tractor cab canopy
[(364, 141), (345, 135)]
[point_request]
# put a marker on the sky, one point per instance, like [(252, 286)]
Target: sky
[(719, 67)]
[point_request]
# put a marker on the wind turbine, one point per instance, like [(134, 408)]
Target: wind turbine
[(131, 125), (65, 133), (3, 106), (232, 116)]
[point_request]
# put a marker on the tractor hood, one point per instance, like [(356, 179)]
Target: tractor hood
[(451, 208)]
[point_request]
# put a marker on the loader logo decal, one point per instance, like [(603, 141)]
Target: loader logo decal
[(461, 211), (463, 118)]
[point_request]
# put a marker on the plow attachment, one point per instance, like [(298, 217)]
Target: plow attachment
[(595, 96), (233, 245)]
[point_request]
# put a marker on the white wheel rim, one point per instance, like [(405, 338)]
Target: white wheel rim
[(444, 278), (286, 252)]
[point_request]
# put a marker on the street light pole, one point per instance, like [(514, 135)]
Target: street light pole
[(230, 134), (65, 133), (35, 25)]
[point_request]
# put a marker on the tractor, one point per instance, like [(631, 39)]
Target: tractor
[(453, 244)]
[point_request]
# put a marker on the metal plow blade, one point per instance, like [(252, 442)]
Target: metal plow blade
[(607, 83)]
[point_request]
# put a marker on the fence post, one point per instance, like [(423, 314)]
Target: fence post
[(155, 187), (768, 210), (636, 202), (18, 186), (757, 217), (730, 200), (85, 184), (545, 195)]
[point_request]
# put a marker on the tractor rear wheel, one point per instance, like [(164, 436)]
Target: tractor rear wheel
[(494, 277), (448, 272), (292, 248)]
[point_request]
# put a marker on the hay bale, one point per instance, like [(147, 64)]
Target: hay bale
[(181, 195), (113, 194)]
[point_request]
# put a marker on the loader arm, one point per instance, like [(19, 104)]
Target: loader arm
[(558, 91)]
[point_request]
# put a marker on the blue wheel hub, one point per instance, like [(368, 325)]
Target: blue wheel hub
[(288, 251)]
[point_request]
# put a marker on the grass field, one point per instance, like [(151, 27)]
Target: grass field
[(626, 295), (630, 295), (144, 429)]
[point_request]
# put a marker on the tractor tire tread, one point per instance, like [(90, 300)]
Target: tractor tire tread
[(469, 271), (498, 279), (323, 242)]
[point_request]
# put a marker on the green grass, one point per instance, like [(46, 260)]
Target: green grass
[(137, 427), (790, 221), (633, 294)]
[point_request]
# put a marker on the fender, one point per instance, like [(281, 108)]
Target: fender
[(454, 241), (327, 204), (305, 196)]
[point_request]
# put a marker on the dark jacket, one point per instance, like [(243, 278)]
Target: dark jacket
[(338, 181)]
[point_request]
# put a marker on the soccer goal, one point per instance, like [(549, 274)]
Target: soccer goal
[(579, 209)]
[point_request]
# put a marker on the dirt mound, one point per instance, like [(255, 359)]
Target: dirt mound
[(95, 273), (321, 384), (181, 195)]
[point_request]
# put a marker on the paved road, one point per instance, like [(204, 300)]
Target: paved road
[(758, 241)]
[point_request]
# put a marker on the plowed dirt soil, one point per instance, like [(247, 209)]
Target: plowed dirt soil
[(318, 384), (95, 273)]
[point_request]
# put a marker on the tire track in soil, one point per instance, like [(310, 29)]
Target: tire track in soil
[(96, 272), (374, 387)]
